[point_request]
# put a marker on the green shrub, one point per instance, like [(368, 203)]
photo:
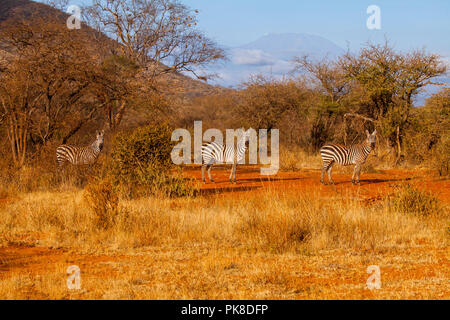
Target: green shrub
[(408, 199), (141, 164)]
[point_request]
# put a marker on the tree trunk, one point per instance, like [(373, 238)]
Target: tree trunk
[(399, 147), (119, 115), (17, 136), (115, 118)]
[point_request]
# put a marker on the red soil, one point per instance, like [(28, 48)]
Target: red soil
[(374, 186), (19, 260)]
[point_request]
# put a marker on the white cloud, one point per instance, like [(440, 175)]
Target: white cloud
[(251, 57)]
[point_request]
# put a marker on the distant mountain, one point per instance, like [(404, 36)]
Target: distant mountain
[(272, 55), (289, 45)]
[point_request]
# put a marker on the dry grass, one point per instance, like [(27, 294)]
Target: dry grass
[(258, 245), (295, 158), (266, 220)]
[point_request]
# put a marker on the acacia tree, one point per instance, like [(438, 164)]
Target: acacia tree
[(18, 102), (158, 36), (264, 102), (328, 74), (46, 86), (390, 80), (434, 120), (115, 87), (380, 85), (332, 89)]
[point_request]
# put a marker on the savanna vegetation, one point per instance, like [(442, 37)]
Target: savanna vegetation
[(147, 221)]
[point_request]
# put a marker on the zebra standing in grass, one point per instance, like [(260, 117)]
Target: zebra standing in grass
[(346, 156), (80, 155), (217, 153)]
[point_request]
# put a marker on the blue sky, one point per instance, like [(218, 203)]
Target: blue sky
[(406, 23)]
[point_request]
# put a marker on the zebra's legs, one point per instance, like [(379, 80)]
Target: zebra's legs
[(233, 174), (326, 167), (62, 170), (330, 168), (356, 173), (209, 167), (203, 173)]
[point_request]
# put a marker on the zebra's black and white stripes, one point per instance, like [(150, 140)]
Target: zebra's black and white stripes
[(215, 153), (353, 155), (80, 155)]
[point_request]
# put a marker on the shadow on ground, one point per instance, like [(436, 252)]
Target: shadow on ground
[(365, 182), (218, 190)]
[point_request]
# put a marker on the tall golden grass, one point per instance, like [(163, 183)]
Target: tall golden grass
[(248, 245), (266, 221), (294, 158)]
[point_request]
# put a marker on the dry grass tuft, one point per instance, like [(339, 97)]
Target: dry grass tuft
[(409, 199), (295, 158), (103, 201), (265, 221)]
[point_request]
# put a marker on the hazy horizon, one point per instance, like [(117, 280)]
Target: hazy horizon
[(408, 25), (242, 27)]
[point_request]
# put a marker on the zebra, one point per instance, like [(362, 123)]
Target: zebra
[(214, 152), (80, 155), (353, 155)]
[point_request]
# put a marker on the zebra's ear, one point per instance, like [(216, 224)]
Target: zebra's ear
[(367, 133), (375, 132)]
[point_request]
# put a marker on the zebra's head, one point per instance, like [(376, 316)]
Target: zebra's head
[(99, 141), (371, 138)]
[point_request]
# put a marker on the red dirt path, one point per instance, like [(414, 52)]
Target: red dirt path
[(373, 186)]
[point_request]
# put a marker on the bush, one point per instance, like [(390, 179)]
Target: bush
[(289, 159), (294, 158), (141, 164), (440, 159), (276, 231), (103, 201), (407, 199)]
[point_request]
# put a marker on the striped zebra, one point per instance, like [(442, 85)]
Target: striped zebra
[(80, 155), (217, 153), (346, 156)]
